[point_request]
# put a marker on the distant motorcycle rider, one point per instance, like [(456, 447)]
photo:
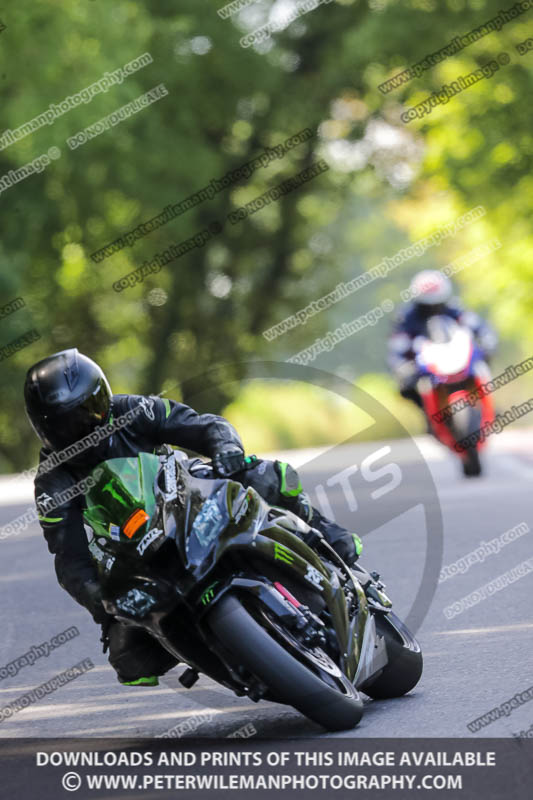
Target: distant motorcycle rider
[(431, 294), (72, 409)]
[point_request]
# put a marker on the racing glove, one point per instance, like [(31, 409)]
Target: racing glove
[(92, 600), (228, 461)]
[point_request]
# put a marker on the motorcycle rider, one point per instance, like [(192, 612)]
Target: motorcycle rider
[(68, 398), (431, 294)]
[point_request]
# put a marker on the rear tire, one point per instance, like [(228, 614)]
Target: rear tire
[(291, 681), (404, 669)]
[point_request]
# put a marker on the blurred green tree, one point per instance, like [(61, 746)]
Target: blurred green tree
[(388, 184)]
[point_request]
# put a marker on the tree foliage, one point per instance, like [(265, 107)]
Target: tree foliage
[(388, 183)]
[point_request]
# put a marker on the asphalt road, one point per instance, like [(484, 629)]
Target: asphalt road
[(473, 662)]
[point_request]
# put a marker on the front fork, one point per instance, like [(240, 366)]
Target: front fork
[(367, 597)]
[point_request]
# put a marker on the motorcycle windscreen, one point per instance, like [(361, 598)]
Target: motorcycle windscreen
[(448, 350), (122, 501), (208, 518)]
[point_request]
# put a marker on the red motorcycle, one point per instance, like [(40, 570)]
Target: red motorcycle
[(452, 372)]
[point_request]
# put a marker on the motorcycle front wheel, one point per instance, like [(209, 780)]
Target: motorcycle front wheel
[(471, 463), (404, 667), (306, 679)]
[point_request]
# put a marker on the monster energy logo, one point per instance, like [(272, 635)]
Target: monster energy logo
[(283, 554), (109, 488), (208, 594)]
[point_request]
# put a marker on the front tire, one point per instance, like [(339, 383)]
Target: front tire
[(466, 423), (471, 463), (335, 704), (404, 668)]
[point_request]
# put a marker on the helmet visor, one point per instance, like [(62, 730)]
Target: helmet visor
[(61, 430)]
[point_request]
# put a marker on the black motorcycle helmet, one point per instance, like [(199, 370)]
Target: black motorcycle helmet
[(67, 396)]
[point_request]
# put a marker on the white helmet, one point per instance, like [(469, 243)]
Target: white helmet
[(429, 288)]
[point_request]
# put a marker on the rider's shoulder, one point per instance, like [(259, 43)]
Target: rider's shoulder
[(455, 308), (405, 314), (52, 474), (122, 403), (139, 406)]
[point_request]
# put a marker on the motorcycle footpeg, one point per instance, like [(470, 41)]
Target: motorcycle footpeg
[(189, 678)]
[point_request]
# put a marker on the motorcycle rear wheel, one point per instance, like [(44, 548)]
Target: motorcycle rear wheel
[(332, 702)]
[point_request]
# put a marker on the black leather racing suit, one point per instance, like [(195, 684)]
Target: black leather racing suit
[(153, 422)]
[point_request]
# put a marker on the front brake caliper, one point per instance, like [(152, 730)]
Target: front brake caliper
[(310, 629)]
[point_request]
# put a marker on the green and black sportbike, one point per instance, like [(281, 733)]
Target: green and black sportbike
[(244, 592)]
